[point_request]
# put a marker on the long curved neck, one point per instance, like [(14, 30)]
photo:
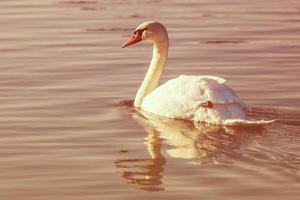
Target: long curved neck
[(151, 80)]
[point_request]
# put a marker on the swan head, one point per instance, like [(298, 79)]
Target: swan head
[(151, 31)]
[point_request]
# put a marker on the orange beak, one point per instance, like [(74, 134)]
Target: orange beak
[(133, 39)]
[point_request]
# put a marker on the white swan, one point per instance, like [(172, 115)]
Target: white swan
[(197, 98)]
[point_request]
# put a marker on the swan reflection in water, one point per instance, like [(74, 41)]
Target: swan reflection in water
[(199, 142)]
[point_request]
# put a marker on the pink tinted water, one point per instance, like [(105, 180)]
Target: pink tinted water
[(62, 73)]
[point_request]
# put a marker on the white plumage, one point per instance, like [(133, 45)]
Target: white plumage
[(182, 98)]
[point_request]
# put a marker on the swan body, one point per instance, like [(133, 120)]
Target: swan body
[(183, 97)]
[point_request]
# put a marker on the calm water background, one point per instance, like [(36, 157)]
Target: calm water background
[(62, 74)]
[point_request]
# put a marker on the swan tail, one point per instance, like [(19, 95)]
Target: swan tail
[(227, 114), (233, 122)]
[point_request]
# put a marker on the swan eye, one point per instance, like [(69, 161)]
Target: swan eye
[(139, 31)]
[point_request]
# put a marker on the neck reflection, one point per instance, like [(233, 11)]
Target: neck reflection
[(146, 173)]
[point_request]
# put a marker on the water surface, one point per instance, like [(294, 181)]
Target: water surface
[(62, 74)]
